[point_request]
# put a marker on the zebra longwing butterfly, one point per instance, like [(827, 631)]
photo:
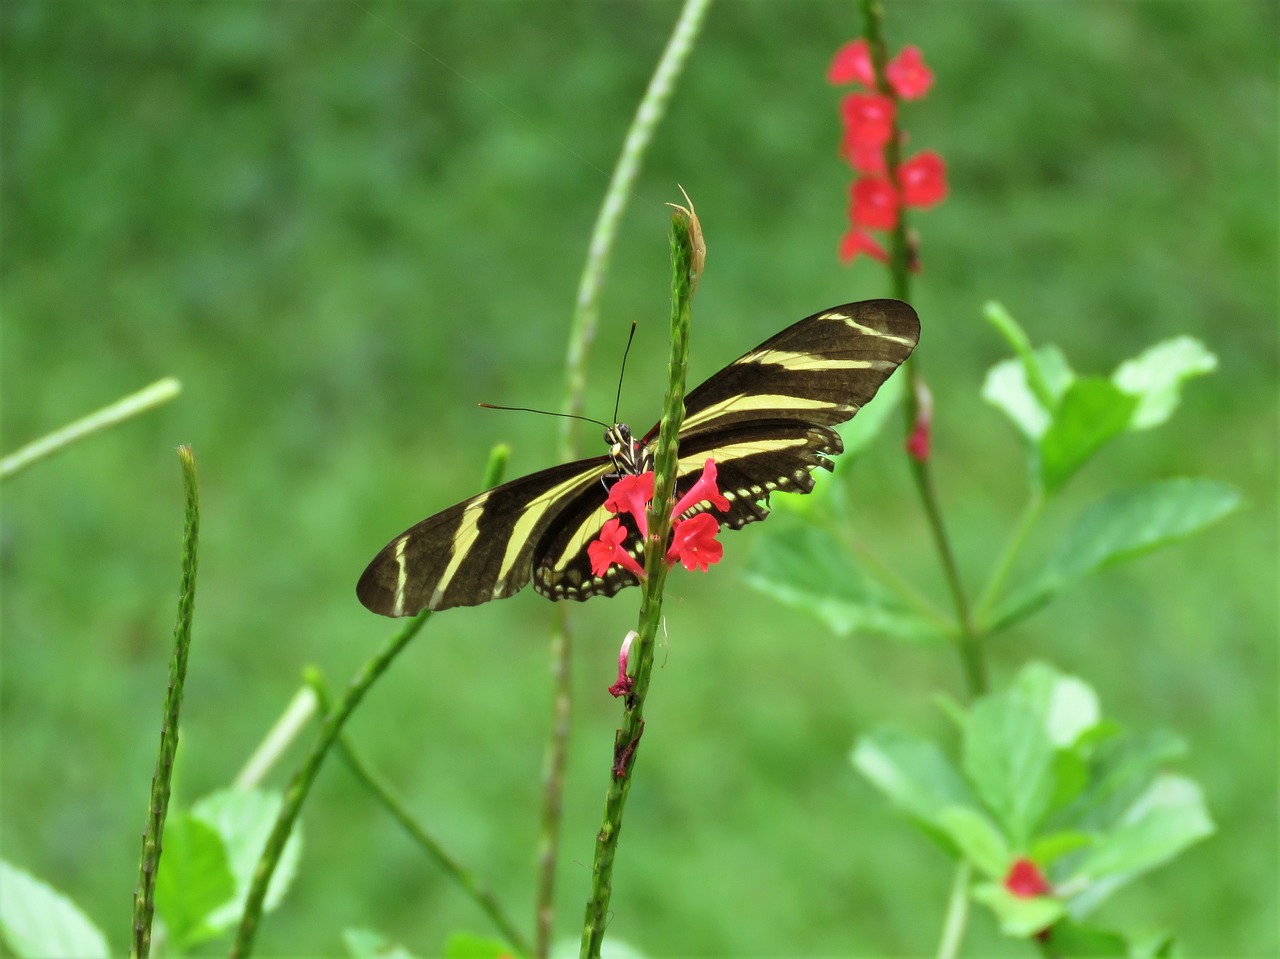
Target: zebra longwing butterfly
[(766, 419)]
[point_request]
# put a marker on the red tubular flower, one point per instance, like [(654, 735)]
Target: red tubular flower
[(1025, 880), (693, 542), (607, 550), (868, 119), (858, 241), (864, 159), (852, 64), (874, 204), (908, 75), (704, 488), (624, 683), (631, 494), (923, 179)]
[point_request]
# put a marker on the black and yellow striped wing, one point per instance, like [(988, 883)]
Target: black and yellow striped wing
[(766, 419)]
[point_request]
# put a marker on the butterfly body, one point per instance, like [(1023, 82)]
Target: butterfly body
[(766, 419)]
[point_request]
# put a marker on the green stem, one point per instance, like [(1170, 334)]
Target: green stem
[(957, 914), (158, 808), (278, 739), (1004, 565), (686, 263), (303, 779), (648, 114), (466, 879), (158, 392), (968, 643)]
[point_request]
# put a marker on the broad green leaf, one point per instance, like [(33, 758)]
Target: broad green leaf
[(1009, 759), (1090, 413), (1119, 527), (244, 817), (1046, 373), (1163, 821), (368, 944), (1017, 916), (1071, 940), (194, 879), (1007, 389), (808, 569), (911, 771), (37, 922), (977, 838), (1051, 847), (1067, 705), (1120, 771), (1156, 377)]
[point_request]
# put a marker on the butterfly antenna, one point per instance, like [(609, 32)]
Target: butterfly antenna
[(617, 400), (527, 409)]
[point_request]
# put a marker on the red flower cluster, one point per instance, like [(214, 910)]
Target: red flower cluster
[(693, 540), (878, 193), (1025, 880)]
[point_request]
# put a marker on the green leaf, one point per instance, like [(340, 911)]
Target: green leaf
[(1156, 377), (1070, 940), (1009, 759), (1051, 847), (912, 772), (1067, 705), (977, 838), (1046, 374), (807, 569), (1006, 388), (37, 922), (1091, 412), (1017, 916), (243, 818), (193, 880), (1167, 818), (368, 944), (1120, 527), (1120, 771)]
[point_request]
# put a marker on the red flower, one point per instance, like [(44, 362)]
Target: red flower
[(631, 494), (852, 64), (908, 75), (693, 542), (875, 204), (920, 440), (624, 683), (864, 159), (923, 179), (1025, 880), (858, 241), (704, 489), (868, 119), (607, 550)]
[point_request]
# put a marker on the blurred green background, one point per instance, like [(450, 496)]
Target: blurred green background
[(342, 225)]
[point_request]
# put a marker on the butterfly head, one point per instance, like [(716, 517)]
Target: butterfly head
[(630, 456)]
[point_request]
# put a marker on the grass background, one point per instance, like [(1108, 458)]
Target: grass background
[(343, 224)]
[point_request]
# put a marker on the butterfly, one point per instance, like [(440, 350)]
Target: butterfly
[(766, 420)]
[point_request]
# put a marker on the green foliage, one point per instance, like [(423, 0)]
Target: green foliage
[(1042, 777), (36, 921)]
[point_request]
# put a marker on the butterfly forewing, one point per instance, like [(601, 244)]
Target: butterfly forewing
[(765, 419)]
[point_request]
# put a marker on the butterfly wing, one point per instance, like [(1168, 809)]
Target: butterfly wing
[(481, 549)]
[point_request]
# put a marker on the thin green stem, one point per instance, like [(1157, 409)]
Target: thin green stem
[(157, 393), (1004, 565), (953, 926), (278, 739), (686, 250), (467, 880), (582, 333), (303, 779), (158, 807), (968, 643)]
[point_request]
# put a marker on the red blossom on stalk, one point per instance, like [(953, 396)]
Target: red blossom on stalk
[(624, 683), (693, 540), (921, 439), (869, 126), (1025, 880)]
